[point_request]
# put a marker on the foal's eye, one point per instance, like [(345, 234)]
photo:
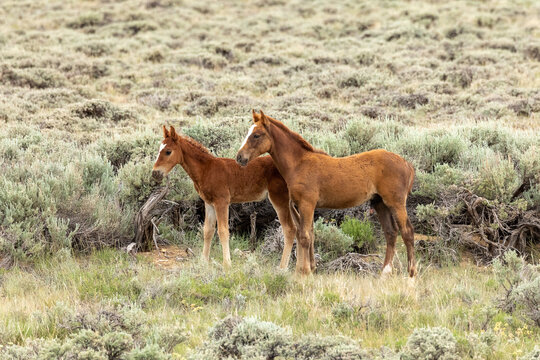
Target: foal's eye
[(168, 152), (256, 136)]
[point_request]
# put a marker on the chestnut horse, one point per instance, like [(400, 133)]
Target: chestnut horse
[(220, 182), (315, 179)]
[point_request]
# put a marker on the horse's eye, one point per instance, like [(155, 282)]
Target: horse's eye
[(168, 152), (256, 136)]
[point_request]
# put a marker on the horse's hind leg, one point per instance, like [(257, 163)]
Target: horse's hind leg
[(312, 262), (208, 230), (390, 230), (407, 233)]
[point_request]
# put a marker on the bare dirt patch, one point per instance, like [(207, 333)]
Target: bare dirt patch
[(169, 257)]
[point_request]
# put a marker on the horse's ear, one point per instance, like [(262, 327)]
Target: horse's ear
[(174, 136), (165, 132), (264, 119), (256, 117)]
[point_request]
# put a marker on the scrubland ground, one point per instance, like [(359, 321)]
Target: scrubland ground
[(85, 86)]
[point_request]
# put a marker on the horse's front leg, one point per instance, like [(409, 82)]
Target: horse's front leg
[(222, 212), (208, 230), (305, 214)]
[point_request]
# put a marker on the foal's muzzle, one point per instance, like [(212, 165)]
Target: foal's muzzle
[(157, 175), (241, 160)]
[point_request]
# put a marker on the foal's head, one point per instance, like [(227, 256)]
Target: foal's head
[(170, 154), (257, 141)]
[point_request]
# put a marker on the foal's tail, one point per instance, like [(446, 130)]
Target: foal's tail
[(411, 177)]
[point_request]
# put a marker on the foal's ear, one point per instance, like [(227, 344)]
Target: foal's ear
[(165, 132), (264, 118), (256, 117), (174, 136)]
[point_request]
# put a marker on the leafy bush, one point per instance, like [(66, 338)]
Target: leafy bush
[(521, 282), (108, 333), (364, 134), (431, 344), (479, 346), (430, 149), (533, 355), (497, 179), (101, 110), (37, 78), (361, 232), (239, 338), (330, 241), (433, 184), (87, 20), (217, 138)]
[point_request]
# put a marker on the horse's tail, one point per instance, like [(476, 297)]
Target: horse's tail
[(411, 177)]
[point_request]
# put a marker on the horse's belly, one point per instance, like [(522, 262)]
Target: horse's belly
[(339, 203), (341, 199), (252, 197)]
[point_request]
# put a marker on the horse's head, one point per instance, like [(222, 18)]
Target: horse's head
[(170, 154), (257, 140)]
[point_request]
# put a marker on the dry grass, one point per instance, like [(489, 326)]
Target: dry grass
[(86, 85)]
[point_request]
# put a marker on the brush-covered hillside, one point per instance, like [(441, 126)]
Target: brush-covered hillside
[(85, 86)]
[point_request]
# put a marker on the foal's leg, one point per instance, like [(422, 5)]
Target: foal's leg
[(407, 233), (312, 261), (209, 229), (305, 237), (222, 212), (390, 230), (281, 205)]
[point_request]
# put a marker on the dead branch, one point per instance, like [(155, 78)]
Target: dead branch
[(145, 225), (361, 263)]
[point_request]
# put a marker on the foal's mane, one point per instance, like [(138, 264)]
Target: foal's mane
[(296, 136), (195, 144)]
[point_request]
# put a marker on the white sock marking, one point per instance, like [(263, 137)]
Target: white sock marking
[(247, 136), (387, 269)]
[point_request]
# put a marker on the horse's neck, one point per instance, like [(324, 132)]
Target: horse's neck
[(195, 161), (286, 152)]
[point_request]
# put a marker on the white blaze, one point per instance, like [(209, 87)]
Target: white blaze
[(161, 147), (247, 136)]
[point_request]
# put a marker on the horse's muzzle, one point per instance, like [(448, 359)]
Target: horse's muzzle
[(157, 175), (241, 160)]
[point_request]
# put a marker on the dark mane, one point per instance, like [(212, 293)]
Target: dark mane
[(296, 136)]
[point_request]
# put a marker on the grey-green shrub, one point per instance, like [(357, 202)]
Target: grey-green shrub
[(521, 283), (239, 338), (433, 184), (497, 179), (244, 339), (330, 241), (217, 138), (533, 355), (435, 343)]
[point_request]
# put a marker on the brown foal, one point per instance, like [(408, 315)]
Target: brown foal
[(220, 182), (316, 179)]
